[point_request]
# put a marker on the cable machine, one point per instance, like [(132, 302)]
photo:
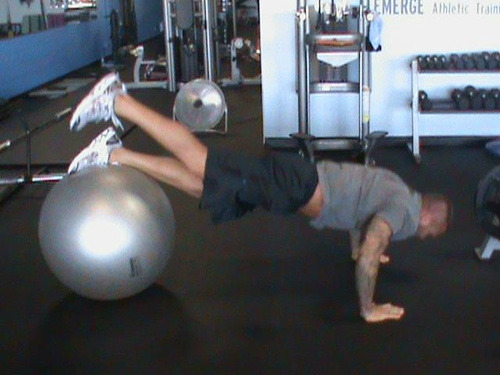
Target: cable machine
[(330, 36), (197, 34), (235, 46), (185, 25)]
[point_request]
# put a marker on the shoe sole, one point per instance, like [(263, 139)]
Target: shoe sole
[(98, 89), (104, 137)]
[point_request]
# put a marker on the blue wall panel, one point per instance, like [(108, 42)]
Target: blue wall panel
[(32, 60), (149, 14)]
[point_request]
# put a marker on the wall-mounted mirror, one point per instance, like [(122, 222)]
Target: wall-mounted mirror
[(21, 17)]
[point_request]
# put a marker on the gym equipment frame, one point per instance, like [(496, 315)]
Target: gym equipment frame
[(237, 77), (12, 184), (335, 48), (190, 31), (170, 83), (138, 52)]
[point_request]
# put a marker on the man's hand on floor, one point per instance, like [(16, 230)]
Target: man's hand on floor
[(380, 313)]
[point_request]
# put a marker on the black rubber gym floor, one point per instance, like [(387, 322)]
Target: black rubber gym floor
[(262, 295)]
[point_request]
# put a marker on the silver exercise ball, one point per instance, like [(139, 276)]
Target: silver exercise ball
[(107, 232)]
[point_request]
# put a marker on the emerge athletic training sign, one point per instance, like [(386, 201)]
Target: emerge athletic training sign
[(423, 7)]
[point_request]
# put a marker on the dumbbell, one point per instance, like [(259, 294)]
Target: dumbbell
[(460, 99), (479, 61), (445, 62), (430, 62), (438, 62), (495, 94), (496, 59), (422, 63), (424, 101), (491, 63), (456, 62), (475, 100), (469, 63), (488, 101)]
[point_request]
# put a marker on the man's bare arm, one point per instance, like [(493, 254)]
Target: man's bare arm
[(355, 237), (376, 241)]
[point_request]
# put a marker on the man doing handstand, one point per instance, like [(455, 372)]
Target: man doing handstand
[(373, 204)]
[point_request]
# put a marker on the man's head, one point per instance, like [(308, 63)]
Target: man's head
[(435, 216)]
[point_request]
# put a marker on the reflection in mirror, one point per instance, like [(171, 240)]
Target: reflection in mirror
[(20, 17)]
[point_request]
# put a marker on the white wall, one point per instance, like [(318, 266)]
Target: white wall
[(4, 11), (18, 10), (430, 27), (432, 32)]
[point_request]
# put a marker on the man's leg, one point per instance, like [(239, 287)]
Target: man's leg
[(109, 99), (99, 104), (165, 169), (172, 135), (107, 148)]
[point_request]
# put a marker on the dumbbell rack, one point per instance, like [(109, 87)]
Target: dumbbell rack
[(414, 145)]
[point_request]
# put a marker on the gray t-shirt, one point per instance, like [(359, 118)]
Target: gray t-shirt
[(354, 194)]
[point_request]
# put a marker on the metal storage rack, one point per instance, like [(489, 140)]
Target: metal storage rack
[(414, 145)]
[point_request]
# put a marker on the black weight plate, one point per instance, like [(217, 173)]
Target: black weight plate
[(487, 202)]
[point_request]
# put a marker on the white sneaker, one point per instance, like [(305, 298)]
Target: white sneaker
[(97, 152), (98, 105)]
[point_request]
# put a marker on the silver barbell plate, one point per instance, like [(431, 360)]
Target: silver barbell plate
[(200, 104)]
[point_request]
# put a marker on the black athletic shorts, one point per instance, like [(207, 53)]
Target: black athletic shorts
[(236, 183)]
